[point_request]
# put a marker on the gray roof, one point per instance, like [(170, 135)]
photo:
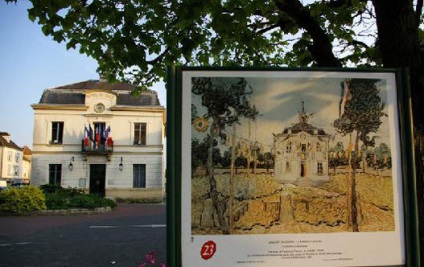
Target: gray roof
[(73, 94), (304, 127)]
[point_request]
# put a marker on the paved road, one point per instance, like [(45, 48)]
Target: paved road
[(117, 238)]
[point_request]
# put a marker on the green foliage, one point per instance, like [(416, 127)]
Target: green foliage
[(69, 198), (138, 39), (22, 200), (199, 152), (90, 202), (363, 111), (225, 100), (54, 188)]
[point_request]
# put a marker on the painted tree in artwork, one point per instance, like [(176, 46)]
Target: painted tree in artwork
[(362, 112), (226, 101)]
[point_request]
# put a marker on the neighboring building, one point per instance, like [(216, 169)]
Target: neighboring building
[(97, 136), (301, 153), (11, 157), (26, 164)]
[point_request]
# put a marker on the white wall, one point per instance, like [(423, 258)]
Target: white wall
[(121, 121)]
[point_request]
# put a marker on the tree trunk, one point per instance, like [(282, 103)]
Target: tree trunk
[(220, 206), (353, 196), (400, 47)]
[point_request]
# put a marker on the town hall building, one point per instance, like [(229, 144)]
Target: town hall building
[(301, 153), (99, 137)]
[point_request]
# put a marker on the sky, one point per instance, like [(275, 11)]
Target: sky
[(31, 62)]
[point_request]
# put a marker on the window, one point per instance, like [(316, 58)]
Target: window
[(320, 168), (289, 147), (9, 156), (17, 156), (10, 170), (57, 132), (139, 133), (16, 170), (55, 174), (139, 176), (319, 147)]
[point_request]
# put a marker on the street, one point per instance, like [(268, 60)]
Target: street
[(117, 238)]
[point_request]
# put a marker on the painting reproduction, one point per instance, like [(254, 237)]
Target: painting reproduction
[(280, 158)]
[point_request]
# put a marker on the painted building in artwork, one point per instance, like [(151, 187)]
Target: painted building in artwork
[(97, 136), (301, 153), (11, 159)]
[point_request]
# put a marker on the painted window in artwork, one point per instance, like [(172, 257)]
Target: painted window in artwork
[(288, 166), (57, 132), (320, 170), (319, 147), (139, 176), (289, 147), (140, 133), (55, 174)]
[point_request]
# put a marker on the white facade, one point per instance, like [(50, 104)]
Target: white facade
[(301, 154), (11, 159), (62, 121)]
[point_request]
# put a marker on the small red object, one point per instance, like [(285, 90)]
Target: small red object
[(208, 250)]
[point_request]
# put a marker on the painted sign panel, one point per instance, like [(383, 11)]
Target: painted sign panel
[(290, 168)]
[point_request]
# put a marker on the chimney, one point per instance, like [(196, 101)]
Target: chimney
[(6, 136), (102, 78)]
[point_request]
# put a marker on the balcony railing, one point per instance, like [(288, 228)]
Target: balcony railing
[(101, 148)]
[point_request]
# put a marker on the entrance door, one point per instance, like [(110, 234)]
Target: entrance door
[(97, 179), (303, 169)]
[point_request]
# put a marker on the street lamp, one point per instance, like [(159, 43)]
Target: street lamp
[(121, 166), (71, 165)]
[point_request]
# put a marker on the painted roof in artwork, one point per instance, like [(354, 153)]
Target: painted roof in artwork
[(304, 127), (74, 94)]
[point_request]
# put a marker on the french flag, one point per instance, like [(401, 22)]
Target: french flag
[(86, 141)]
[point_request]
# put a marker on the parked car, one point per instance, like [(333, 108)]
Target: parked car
[(3, 185), (18, 184)]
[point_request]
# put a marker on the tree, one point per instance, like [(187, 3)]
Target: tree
[(362, 116), (337, 156), (199, 151), (268, 161), (226, 102), (140, 38)]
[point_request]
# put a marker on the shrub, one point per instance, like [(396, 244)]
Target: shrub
[(56, 201), (51, 188), (90, 202), (22, 200), (68, 198)]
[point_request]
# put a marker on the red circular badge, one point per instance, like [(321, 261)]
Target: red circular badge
[(208, 250)]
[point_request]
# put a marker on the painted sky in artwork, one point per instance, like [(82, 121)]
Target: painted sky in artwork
[(279, 101)]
